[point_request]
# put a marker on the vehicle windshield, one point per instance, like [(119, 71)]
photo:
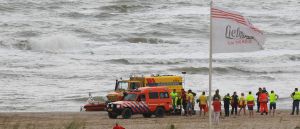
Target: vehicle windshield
[(134, 85), (130, 97), (122, 85)]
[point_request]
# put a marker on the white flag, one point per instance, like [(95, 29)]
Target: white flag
[(232, 32)]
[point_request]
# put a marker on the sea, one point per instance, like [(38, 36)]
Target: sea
[(54, 52)]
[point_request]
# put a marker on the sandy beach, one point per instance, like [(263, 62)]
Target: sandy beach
[(100, 120)]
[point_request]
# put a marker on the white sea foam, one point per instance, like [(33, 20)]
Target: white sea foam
[(57, 43)]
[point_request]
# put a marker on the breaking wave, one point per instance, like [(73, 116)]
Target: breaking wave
[(149, 40), (123, 8), (268, 59), (228, 70), (152, 61), (74, 15), (54, 43)]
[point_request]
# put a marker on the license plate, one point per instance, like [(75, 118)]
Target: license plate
[(109, 109)]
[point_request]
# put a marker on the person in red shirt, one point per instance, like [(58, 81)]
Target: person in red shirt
[(118, 126), (217, 110)]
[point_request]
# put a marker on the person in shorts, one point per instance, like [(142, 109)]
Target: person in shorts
[(273, 98), (250, 103), (202, 103)]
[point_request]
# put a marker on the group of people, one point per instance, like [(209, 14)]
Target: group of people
[(186, 102)]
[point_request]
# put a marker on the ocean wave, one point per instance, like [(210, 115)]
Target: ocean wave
[(149, 40), (104, 15), (153, 33), (27, 33), (54, 43), (234, 69), (153, 61), (252, 60), (283, 33), (6, 8), (74, 15), (123, 8), (264, 77)]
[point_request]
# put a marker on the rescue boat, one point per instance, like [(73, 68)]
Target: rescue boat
[(93, 105)]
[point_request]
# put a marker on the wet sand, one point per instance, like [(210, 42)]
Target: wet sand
[(100, 120)]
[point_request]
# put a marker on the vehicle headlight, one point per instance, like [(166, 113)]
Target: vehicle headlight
[(118, 106)]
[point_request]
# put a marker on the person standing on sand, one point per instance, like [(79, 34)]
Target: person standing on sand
[(174, 97), (217, 110), (217, 96), (202, 103), (226, 101), (273, 98), (296, 98), (190, 98), (234, 103), (242, 104), (263, 100), (250, 103), (183, 101), (257, 100)]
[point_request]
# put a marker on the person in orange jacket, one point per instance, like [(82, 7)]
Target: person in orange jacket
[(263, 100)]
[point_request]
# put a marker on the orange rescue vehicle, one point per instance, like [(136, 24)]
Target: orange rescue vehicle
[(146, 100)]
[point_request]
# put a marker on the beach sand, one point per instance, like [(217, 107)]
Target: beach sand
[(100, 120)]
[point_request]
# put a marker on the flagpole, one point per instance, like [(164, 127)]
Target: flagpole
[(210, 69)]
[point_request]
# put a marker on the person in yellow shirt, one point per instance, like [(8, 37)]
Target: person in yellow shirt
[(203, 103), (190, 99), (296, 99), (273, 98), (242, 104), (174, 96), (250, 103)]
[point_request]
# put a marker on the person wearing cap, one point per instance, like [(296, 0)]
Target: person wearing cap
[(273, 98), (250, 103), (296, 99)]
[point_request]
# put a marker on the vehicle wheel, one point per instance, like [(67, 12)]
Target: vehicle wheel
[(126, 113), (147, 115), (160, 112), (112, 115)]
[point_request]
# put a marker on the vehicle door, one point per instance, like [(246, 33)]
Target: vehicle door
[(141, 104), (165, 100), (153, 100)]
